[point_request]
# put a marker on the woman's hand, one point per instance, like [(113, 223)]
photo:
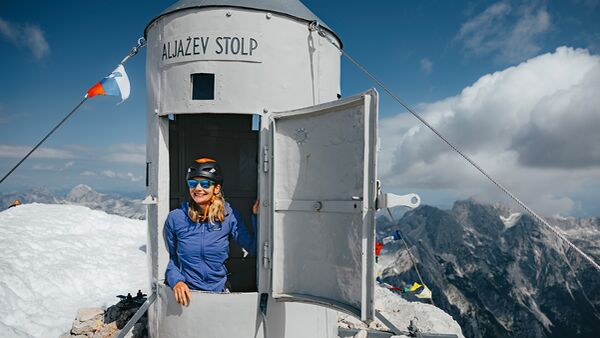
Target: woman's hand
[(182, 293), (255, 207)]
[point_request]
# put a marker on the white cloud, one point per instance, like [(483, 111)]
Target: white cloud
[(26, 36), (43, 167), (88, 173), (116, 153), (52, 167), (122, 176), (511, 34), (426, 65), (126, 153), (533, 126), (12, 151), (109, 174)]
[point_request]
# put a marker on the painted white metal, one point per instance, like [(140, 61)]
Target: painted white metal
[(324, 194), (290, 67), (236, 315), (389, 200)]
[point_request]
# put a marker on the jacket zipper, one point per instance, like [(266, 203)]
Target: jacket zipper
[(202, 246)]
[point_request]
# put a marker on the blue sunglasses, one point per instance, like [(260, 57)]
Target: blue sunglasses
[(204, 183)]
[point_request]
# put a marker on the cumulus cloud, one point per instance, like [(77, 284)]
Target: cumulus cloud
[(88, 173), (25, 36), (533, 126), (511, 34)]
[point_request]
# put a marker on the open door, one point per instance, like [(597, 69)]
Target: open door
[(323, 204)]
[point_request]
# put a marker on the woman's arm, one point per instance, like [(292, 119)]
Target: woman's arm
[(240, 233), (173, 274)]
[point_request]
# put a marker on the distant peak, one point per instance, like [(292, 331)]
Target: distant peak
[(81, 187)]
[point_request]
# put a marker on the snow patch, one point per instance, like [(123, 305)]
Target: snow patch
[(511, 220), (400, 312), (58, 258), (456, 298)]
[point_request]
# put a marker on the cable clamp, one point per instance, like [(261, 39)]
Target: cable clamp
[(315, 26)]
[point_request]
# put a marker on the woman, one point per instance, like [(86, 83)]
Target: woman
[(197, 234)]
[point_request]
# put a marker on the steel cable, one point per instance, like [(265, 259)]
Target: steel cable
[(314, 26)]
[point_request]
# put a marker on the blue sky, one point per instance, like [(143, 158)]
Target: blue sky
[(427, 52)]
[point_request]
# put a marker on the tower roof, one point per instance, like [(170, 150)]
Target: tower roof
[(291, 8)]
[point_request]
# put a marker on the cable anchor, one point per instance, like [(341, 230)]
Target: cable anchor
[(314, 26), (141, 42)]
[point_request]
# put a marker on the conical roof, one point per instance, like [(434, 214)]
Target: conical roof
[(292, 8)]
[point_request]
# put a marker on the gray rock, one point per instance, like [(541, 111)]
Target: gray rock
[(81, 328), (87, 313)]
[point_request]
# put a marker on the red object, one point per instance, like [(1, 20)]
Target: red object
[(378, 247), (97, 89)]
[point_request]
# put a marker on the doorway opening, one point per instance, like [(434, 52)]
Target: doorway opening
[(233, 142)]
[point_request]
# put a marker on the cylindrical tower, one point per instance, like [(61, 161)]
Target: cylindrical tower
[(219, 66)]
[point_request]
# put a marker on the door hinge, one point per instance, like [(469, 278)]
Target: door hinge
[(266, 159), (266, 255)]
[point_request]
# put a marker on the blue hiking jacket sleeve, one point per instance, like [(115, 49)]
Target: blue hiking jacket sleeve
[(173, 275), (198, 250), (240, 234)]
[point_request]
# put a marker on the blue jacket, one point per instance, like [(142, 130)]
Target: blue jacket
[(198, 251)]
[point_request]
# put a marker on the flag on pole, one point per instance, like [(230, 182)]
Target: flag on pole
[(115, 84)]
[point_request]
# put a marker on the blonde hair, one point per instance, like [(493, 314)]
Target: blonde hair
[(215, 211)]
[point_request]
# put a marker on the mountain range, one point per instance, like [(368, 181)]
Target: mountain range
[(80, 195), (497, 272)]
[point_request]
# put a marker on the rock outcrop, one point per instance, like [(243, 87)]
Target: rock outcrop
[(498, 273), (107, 323)]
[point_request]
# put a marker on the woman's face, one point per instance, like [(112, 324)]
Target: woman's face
[(203, 196)]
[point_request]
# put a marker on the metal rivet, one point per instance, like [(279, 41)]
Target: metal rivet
[(228, 14), (269, 15), (318, 206)]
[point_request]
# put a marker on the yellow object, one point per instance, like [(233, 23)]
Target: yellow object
[(414, 286), (425, 294)]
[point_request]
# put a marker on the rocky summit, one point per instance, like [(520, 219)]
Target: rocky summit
[(500, 273)]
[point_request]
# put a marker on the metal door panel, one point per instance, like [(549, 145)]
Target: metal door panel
[(324, 202)]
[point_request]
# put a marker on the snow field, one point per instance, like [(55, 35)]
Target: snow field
[(55, 259)]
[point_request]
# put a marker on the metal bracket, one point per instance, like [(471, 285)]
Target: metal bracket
[(266, 255), (265, 159), (138, 314), (389, 200), (150, 200)]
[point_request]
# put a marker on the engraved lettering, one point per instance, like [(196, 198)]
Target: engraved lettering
[(253, 45), (220, 50), (196, 45), (187, 48)]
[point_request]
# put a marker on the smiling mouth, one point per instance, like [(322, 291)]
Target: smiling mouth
[(199, 194)]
